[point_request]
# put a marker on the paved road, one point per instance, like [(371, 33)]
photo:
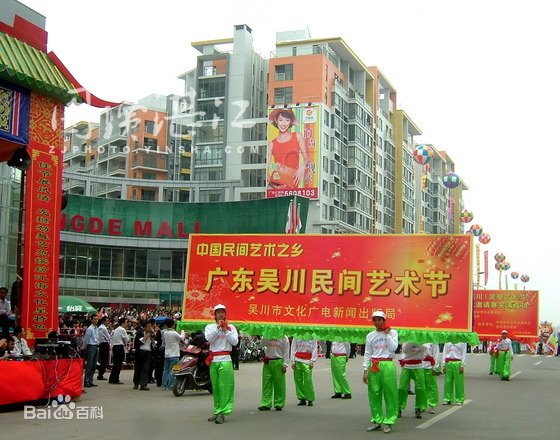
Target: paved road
[(527, 407)]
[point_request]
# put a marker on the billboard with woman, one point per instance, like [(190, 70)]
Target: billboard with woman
[(293, 149)]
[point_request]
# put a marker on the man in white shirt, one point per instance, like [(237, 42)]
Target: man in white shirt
[(171, 340), (339, 357), (21, 348), (380, 373), (222, 337), (275, 365), (104, 347), (119, 341), (303, 355), (91, 342), (454, 358), (504, 349)]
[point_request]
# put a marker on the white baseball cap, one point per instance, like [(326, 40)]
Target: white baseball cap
[(218, 307), (378, 314), (504, 331)]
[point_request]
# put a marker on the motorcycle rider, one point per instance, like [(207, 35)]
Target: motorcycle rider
[(222, 337)]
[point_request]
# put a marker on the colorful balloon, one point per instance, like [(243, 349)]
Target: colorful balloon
[(466, 216), (498, 266), (499, 257), (514, 275), (422, 154), (506, 265), (451, 180), (524, 278), (484, 238), (476, 230)]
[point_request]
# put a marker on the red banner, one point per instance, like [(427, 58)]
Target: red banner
[(516, 311), (39, 313), (420, 281)]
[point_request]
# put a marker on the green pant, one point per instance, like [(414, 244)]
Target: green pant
[(503, 364), (432, 392), (493, 364), (417, 375), (273, 384), (454, 385), (303, 377), (338, 371), (382, 385), (221, 376)]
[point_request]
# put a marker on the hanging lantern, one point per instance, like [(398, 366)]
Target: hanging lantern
[(524, 278), (451, 180), (484, 238), (476, 230), (499, 257), (514, 275), (422, 154), (466, 216), (506, 265), (498, 266)]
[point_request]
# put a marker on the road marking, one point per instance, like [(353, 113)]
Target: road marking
[(443, 415), (539, 362), (517, 373)]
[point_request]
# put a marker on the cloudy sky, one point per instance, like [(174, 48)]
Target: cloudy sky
[(480, 78)]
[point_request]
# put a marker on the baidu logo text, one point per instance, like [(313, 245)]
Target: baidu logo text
[(62, 408)]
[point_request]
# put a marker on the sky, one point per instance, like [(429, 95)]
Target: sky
[(479, 78)]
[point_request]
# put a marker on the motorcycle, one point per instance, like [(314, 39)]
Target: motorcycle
[(251, 350), (191, 372)]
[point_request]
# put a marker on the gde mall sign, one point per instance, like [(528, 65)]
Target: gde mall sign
[(174, 220)]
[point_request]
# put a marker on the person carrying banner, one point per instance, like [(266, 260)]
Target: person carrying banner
[(339, 357), (222, 337), (275, 365), (412, 361), (431, 367), (504, 349), (303, 355), (380, 373), (493, 356), (454, 359)]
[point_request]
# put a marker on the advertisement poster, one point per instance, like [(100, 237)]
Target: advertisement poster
[(516, 311), (421, 282), (293, 135)]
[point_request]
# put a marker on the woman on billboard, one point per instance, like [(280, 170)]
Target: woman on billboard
[(286, 170)]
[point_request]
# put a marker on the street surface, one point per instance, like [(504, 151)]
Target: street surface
[(527, 407)]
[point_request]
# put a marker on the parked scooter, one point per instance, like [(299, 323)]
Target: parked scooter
[(191, 372), (251, 350)]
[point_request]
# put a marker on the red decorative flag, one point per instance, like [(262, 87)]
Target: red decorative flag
[(485, 267), (293, 225)]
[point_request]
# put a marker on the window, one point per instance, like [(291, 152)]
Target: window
[(284, 72), (149, 194), (283, 95), (149, 127)]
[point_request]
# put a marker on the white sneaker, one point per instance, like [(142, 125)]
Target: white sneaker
[(375, 427), (432, 411), (387, 429)]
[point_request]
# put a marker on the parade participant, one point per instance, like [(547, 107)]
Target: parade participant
[(275, 365), (5, 312), (222, 337), (91, 343), (340, 351), (504, 348), (380, 373), (303, 355), (493, 356), (21, 347), (454, 358), (431, 367), (412, 361)]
